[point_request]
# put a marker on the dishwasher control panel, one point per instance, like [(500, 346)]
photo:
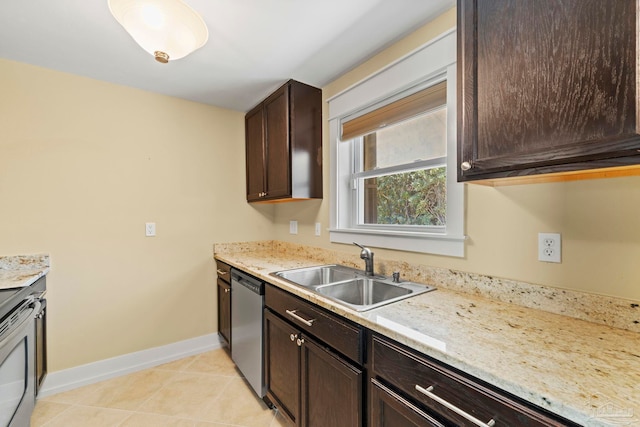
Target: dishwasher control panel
[(249, 282)]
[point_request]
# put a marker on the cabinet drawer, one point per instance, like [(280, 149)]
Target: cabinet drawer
[(389, 409), (336, 332), (224, 271), (405, 370)]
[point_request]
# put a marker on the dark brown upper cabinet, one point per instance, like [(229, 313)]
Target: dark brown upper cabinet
[(547, 89), (284, 145)]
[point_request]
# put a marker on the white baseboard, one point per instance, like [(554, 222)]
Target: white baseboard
[(71, 378)]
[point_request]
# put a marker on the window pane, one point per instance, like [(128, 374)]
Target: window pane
[(420, 138), (407, 198)]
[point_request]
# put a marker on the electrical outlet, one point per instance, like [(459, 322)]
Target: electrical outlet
[(293, 227), (549, 247), (150, 229), (318, 228)]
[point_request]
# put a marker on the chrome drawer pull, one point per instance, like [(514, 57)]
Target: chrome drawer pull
[(427, 392), (221, 273), (293, 314)]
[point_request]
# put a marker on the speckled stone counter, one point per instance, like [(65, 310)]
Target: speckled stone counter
[(585, 371), (22, 270)]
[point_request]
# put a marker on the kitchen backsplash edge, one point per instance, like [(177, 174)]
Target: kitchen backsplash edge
[(611, 311)]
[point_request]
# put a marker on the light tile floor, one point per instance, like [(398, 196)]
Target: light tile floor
[(205, 390)]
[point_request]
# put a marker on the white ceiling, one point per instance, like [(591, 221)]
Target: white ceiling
[(254, 45)]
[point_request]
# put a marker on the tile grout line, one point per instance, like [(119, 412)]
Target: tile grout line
[(70, 405), (222, 390), (139, 406), (185, 370), (208, 371)]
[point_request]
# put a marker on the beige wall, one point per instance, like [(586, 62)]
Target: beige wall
[(83, 165), (598, 219)]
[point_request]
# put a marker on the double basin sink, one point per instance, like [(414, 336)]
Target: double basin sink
[(351, 287)]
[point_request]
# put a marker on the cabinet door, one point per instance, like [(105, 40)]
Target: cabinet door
[(546, 86), (224, 311), (282, 364), (389, 409), (254, 129), (331, 389), (276, 110)]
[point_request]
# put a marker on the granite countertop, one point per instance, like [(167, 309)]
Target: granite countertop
[(584, 371), (22, 270)]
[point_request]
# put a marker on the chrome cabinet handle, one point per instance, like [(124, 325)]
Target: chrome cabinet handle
[(293, 337), (428, 392), (227, 290), (293, 314), (465, 166), (221, 273), (300, 341)]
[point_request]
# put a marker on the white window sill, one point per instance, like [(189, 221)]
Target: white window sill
[(431, 243)]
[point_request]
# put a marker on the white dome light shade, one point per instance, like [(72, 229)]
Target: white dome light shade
[(167, 29)]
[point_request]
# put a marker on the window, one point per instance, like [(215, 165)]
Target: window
[(393, 157), (399, 170)]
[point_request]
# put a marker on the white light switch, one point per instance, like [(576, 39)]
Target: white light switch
[(150, 229), (293, 227), (318, 228)]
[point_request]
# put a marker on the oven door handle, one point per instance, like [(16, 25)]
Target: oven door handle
[(16, 330)]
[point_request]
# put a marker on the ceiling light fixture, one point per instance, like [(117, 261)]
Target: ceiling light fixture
[(167, 29)]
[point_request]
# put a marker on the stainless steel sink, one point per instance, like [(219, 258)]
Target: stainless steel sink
[(363, 291), (321, 275), (351, 287)]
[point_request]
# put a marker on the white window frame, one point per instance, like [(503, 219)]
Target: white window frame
[(358, 173), (427, 65)]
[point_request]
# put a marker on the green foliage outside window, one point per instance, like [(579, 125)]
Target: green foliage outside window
[(412, 198)]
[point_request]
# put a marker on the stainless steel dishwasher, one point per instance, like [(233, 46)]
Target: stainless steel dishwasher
[(247, 303)]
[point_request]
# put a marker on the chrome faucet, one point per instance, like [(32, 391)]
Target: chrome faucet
[(367, 256)]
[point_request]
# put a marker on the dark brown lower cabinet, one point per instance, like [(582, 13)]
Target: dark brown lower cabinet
[(224, 302), (310, 383), (331, 388), (389, 409), (282, 365), (224, 311)]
